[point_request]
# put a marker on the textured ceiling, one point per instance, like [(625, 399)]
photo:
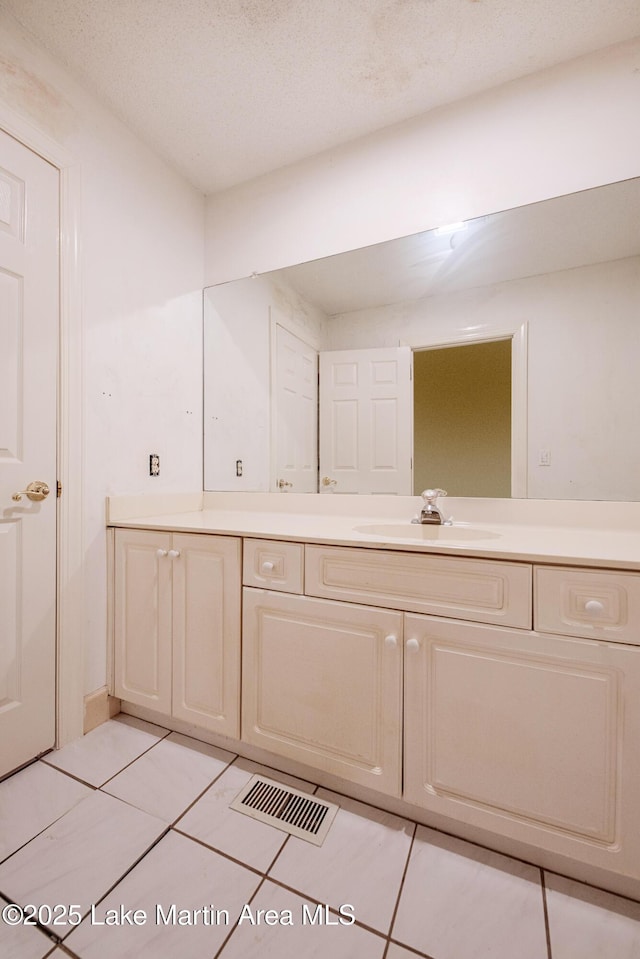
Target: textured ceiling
[(229, 89)]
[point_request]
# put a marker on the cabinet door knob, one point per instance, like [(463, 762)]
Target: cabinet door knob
[(173, 553), (594, 606), (161, 552), (413, 645), (267, 567), (390, 641)]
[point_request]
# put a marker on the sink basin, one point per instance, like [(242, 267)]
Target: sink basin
[(426, 533)]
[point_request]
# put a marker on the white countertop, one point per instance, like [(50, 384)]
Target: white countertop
[(342, 521)]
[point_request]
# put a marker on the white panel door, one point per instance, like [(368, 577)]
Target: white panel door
[(366, 420), (28, 380), (296, 414)]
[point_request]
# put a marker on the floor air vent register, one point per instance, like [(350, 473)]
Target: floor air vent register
[(288, 809)]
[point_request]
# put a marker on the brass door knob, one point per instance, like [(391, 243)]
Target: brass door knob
[(36, 491)]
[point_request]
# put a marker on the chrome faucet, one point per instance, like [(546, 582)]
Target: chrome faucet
[(430, 512)]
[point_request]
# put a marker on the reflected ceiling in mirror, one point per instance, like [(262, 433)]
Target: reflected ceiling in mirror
[(580, 229), (566, 268)]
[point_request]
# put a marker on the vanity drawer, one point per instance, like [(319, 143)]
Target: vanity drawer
[(596, 604), (473, 589), (272, 564)]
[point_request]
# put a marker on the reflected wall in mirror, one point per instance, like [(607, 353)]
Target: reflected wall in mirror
[(557, 283)]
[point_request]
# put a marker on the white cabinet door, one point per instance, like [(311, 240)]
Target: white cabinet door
[(206, 631), (535, 737), (177, 626), (366, 420), (28, 399), (143, 618), (322, 685)]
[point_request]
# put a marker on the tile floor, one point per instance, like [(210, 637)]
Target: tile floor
[(128, 832)]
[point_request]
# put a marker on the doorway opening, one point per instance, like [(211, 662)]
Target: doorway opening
[(463, 419)]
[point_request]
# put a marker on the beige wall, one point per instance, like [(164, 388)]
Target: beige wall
[(462, 419)]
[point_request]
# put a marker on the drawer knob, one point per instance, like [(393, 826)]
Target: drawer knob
[(594, 606), (390, 641), (267, 567), (413, 645), (173, 553), (161, 552)]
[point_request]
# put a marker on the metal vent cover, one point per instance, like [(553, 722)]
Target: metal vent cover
[(285, 808)]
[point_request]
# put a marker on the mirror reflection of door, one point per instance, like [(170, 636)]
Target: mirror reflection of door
[(365, 420), (462, 419), (296, 414)]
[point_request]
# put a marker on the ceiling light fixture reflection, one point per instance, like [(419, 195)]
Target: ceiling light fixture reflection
[(451, 228)]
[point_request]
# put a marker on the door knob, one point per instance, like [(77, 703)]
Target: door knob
[(35, 491)]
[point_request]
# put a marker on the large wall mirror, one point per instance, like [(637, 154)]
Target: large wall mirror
[(497, 357)]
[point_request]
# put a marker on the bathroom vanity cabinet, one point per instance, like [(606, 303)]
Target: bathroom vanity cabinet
[(322, 684), (501, 694), (177, 626)]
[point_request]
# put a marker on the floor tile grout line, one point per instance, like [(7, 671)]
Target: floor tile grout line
[(120, 878), (545, 908), (55, 939), (199, 796), (219, 852), (65, 950), (276, 882), (402, 879), (186, 809), (264, 873), (48, 826), (409, 949), (317, 902), (64, 772), (31, 762), (109, 778), (230, 934), (590, 885), (143, 753)]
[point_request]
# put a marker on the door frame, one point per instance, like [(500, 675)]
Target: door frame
[(518, 334), (311, 339), (69, 550)]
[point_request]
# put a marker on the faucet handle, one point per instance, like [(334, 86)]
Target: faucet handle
[(431, 495)]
